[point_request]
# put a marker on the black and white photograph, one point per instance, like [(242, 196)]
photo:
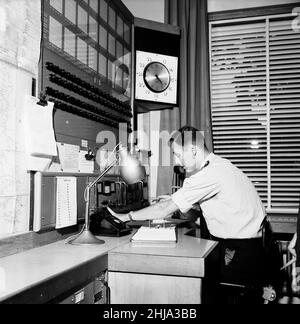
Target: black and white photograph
[(150, 155)]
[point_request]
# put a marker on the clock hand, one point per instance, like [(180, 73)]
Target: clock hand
[(158, 78)]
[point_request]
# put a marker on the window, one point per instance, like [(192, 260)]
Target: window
[(83, 31), (255, 93)]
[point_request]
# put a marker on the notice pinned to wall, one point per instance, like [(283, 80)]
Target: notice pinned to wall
[(72, 159), (68, 157), (39, 134), (85, 166), (66, 202)]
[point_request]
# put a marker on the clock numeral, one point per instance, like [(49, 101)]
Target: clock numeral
[(165, 94), (142, 65), (141, 85), (149, 59), (156, 96)]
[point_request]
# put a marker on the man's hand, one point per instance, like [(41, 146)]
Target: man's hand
[(121, 217), (161, 198)]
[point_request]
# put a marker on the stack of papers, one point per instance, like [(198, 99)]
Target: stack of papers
[(155, 234)]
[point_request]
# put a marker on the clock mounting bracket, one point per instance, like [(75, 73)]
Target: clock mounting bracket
[(157, 76)]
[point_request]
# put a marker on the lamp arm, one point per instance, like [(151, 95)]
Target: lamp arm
[(107, 168), (103, 173), (88, 192)]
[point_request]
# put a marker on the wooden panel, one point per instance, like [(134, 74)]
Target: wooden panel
[(189, 257), (156, 264), (252, 12), (23, 242), (60, 287), (130, 288)]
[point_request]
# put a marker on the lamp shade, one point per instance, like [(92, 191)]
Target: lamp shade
[(131, 169)]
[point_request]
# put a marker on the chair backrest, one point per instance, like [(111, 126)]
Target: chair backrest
[(273, 255)]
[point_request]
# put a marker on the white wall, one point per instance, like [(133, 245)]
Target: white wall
[(147, 9), (219, 5)]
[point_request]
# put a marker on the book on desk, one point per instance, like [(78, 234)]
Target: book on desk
[(156, 233)]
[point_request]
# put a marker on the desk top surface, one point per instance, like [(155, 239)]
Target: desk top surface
[(186, 246), (190, 257), (22, 271), (25, 270)]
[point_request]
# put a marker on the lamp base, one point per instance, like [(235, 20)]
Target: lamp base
[(86, 238)]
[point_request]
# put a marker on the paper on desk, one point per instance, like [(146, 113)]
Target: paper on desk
[(66, 202), (145, 233), (39, 132)]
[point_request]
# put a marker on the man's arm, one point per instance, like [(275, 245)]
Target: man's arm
[(159, 210)]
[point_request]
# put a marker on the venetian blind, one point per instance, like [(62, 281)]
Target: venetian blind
[(256, 104), (284, 62)]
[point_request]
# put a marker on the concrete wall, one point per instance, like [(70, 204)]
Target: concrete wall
[(20, 32)]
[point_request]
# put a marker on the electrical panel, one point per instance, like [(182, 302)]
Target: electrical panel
[(110, 191), (96, 292)]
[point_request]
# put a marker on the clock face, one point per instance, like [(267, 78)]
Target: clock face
[(156, 77)]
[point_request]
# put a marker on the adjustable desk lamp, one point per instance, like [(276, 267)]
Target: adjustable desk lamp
[(131, 171)]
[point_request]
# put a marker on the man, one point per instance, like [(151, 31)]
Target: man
[(229, 202)]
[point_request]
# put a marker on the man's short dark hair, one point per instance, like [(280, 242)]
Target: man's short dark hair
[(186, 135)]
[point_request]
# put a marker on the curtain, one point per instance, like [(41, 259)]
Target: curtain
[(194, 90)]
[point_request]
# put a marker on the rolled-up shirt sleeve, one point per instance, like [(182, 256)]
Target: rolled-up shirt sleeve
[(195, 189)]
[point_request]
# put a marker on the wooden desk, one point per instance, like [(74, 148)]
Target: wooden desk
[(42, 274), (179, 274)]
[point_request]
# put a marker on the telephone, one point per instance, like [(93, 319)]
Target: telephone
[(103, 223)]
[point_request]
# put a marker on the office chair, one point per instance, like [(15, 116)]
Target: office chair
[(261, 293), (288, 291)]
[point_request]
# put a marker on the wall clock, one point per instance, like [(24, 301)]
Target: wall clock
[(156, 77)]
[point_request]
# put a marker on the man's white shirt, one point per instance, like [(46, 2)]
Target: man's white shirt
[(229, 201)]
